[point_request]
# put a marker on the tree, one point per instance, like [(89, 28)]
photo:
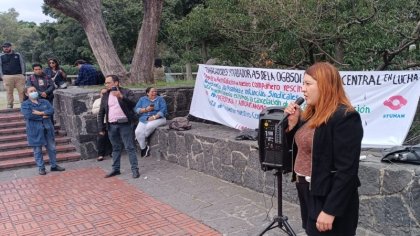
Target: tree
[(21, 34), (356, 34), (122, 19), (144, 55), (8, 25), (89, 15)]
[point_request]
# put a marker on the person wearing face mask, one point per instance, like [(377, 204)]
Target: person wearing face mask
[(152, 109), (40, 129), (103, 144), (327, 137)]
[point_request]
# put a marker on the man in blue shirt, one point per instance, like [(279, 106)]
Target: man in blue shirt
[(87, 73)]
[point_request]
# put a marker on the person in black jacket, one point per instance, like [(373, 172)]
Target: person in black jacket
[(12, 71), (327, 143), (43, 84), (117, 109)]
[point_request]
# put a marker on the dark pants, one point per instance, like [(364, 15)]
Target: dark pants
[(120, 134), (302, 188), (311, 206), (104, 145)]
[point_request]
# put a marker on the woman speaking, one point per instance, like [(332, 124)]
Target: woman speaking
[(327, 138)]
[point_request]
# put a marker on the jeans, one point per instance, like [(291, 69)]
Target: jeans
[(51, 153), (120, 134), (144, 130)]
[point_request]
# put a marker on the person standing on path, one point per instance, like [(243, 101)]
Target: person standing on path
[(117, 107), (40, 129), (326, 149), (12, 70)]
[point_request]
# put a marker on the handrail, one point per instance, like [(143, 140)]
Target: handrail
[(75, 76)]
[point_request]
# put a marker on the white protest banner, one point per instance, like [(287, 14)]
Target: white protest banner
[(235, 96)]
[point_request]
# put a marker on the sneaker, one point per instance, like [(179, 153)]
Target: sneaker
[(42, 172), (57, 168), (145, 151), (10, 106)]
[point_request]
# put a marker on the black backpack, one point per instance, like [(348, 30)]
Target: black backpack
[(402, 154)]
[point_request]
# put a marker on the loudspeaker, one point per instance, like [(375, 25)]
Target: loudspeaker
[(273, 151)]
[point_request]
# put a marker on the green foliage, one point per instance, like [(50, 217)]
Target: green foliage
[(292, 33), (9, 26), (264, 33), (21, 34), (123, 20)]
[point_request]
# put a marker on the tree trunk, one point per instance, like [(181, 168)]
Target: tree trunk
[(188, 69), (204, 51), (339, 51), (144, 55), (89, 15)]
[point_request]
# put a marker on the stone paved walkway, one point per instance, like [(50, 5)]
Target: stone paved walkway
[(167, 199), (82, 202)]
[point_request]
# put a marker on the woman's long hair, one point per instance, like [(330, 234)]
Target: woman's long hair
[(331, 94), (56, 63)]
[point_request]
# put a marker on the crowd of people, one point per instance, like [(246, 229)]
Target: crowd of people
[(118, 111), (326, 135), (118, 115)]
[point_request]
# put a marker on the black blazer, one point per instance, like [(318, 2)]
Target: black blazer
[(127, 104), (335, 159)]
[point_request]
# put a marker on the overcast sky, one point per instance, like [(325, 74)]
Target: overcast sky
[(29, 10)]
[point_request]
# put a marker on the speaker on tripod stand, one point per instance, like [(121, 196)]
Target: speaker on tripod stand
[(274, 156)]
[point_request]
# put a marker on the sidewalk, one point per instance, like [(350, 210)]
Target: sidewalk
[(167, 199), (70, 202)]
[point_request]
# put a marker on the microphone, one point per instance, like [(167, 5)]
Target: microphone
[(299, 102)]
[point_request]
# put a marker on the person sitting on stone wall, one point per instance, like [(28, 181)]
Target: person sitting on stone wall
[(87, 74), (152, 109), (56, 73)]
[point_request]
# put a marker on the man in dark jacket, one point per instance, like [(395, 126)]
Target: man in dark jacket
[(43, 84), (117, 107), (12, 70), (87, 74)]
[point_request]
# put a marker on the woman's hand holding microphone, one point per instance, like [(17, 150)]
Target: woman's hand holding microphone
[(293, 113)]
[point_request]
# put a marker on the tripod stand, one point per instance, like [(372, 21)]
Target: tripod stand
[(280, 219)]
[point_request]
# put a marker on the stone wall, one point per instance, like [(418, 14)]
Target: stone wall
[(390, 193), (73, 111)]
